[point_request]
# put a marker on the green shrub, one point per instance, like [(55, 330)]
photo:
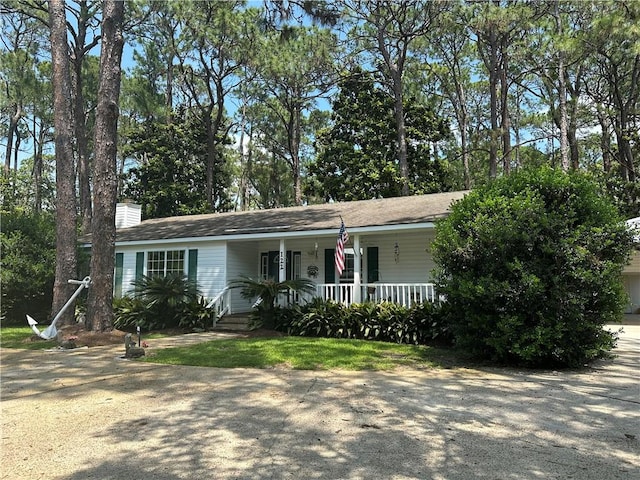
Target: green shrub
[(28, 256), (531, 268), (195, 315), (163, 302), (130, 312), (384, 321), (267, 292)]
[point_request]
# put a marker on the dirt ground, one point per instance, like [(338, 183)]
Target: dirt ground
[(80, 337), (83, 338), (87, 413)]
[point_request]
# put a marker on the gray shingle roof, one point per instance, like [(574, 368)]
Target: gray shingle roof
[(357, 214)]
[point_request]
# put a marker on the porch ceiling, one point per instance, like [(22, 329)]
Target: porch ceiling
[(363, 213)]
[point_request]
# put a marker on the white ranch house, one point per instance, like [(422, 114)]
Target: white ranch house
[(387, 256)]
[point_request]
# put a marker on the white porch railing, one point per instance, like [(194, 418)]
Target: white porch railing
[(405, 294), (221, 304)]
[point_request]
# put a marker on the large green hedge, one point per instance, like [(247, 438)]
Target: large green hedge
[(531, 267)]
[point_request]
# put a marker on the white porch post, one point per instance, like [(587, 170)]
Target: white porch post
[(282, 261), (357, 262)]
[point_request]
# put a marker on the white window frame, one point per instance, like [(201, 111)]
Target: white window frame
[(164, 259)]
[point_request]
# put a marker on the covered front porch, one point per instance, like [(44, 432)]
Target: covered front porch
[(380, 265), (405, 294)]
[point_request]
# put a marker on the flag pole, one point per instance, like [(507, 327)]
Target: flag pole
[(350, 239), (342, 223)]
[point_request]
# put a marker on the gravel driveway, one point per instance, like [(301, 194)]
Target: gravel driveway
[(88, 414)]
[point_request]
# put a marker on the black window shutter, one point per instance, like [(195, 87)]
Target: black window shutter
[(139, 265), (117, 291), (373, 273), (192, 273), (329, 265)]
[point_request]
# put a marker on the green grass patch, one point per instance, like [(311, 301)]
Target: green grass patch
[(299, 353), (21, 337)]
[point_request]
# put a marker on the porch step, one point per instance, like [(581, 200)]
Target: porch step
[(235, 322)]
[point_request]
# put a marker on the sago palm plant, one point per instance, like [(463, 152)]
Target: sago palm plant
[(165, 297), (267, 291)]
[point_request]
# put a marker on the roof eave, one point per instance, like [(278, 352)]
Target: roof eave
[(281, 235)]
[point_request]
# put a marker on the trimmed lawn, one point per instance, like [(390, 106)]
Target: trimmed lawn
[(304, 353), (19, 337), (299, 353)]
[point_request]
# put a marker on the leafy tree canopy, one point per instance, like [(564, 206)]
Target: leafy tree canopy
[(531, 268), (358, 156), (27, 243), (170, 177)]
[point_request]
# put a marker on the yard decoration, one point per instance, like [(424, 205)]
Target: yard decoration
[(131, 350), (51, 331)]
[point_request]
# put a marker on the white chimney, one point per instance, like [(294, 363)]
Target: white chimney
[(128, 215)]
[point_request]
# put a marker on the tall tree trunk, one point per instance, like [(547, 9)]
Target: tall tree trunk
[(626, 154), (66, 237), (242, 182), (575, 93), (217, 127), (562, 100), (13, 128), (491, 62), (605, 138), (36, 173), (168, 100), (572, 138), (463, 123), (275, 198), (294, 147), (505, 122), (401, 131), (465, 152), (622, 132), (80, 123), (84, 186), (562, 93), (211, 158), (17, 150), (100, 302)]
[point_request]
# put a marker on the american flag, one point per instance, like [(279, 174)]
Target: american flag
[(343, 237)]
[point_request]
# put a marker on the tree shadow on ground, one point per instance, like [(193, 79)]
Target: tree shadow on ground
[(184, 422)]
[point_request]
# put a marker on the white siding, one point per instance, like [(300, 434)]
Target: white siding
[(634, 263), (310, 256), (211, 264), (632, 286), (631, 278), (414, 262), (242, 260), (211, 267), (128, 268), (128, 215)]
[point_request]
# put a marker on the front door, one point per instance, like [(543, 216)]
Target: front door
[(269, 263)]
